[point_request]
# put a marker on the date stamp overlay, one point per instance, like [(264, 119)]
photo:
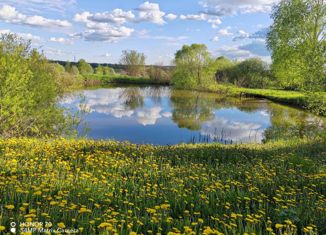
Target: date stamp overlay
[(40, 227)]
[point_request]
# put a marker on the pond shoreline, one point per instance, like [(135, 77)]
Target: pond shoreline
[(313, 102)]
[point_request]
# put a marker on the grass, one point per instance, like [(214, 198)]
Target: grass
[(123, 79), (106, 187), (314, 102)]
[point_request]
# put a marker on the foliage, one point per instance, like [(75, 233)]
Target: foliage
[(84, 68), (66, 80), (251, 73), (104, 70), (29, 88), (158, 74), (134, 61), (297, 42), (104, 187), (192, 67), (223, 67)]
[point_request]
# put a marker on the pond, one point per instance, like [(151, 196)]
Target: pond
[(161, 115)]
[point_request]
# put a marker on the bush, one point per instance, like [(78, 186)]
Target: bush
[(28, 91), (251, 73), (158, 74)]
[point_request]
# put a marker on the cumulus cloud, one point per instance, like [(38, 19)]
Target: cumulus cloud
[(117, 16), (102, 31), (151, 12), (9, 14), (227, 7), (110, 34), (171, 16), (110, 26)]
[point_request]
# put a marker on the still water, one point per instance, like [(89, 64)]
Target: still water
[(161, 115)]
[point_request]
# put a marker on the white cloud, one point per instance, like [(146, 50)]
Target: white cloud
[(151, 12), (222, 129), (200, 16), (61, 40), (110, 34), (9, 14), (149, 116), (213, 20), (41, 5), (260, 34), (223, 7), (225, 32), (171, 16), (117, 16), (101, 31), (243, 52), (222, 33), (233, 52)]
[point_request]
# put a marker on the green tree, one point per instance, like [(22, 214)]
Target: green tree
[(28, 92), (192, 67), (99, 70), (74, 70), (108, 71), (157, 73), (134, 62), (68, 67), (297, 42), (223, 67), (252, 73), (84, 68)]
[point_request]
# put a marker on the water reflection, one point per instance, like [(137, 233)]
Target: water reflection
[(159, 115)]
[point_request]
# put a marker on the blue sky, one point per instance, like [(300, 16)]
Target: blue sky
[(99, 30)]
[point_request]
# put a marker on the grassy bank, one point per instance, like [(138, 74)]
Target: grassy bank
[(94, 79), (314, 102), (109, 187)]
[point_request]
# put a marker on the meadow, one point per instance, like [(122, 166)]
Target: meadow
[(106, 187)]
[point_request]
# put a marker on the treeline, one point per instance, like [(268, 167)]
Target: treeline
[(132, 67), (297, 43), (196, 68)]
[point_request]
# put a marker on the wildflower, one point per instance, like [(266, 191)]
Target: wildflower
[(2, 228), (10, 207), (278, 226), (61, 225)]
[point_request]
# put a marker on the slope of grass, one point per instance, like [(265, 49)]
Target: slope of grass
[(122, 79), (312, 101), (106, 187)]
